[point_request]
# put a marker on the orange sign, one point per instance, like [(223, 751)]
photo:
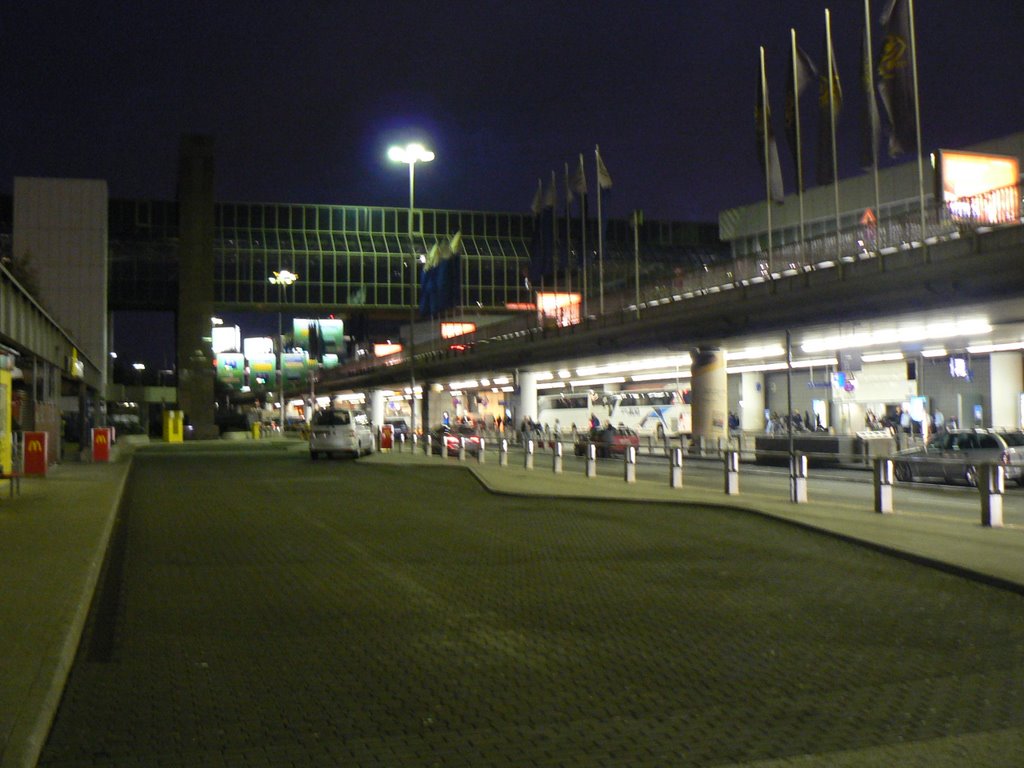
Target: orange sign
[(101, 443), (36, 460)]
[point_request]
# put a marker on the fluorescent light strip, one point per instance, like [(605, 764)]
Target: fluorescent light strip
[(552, 385), (661, 376), (904, 335), (982, 349), (882, 357), (596, 382), (934, 352), (635, 365), (773, 350)]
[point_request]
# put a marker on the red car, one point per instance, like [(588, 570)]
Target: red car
[(610, 441), (452, 436)]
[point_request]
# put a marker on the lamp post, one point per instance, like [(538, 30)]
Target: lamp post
[(283, 279), (411, 154)]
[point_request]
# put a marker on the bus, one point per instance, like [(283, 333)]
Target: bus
[(660, 413), (566, 410)]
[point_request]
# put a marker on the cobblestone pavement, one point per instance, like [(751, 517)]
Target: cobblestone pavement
[(267, 611)]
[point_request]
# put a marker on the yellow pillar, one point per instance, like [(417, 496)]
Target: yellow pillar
[(6, 455), (174, 426)]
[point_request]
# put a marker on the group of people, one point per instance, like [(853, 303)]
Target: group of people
[(778, 424)]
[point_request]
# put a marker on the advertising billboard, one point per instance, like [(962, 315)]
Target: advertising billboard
[(226, 338), (231, 368), (255, 346), (320, 337), (978, 188)]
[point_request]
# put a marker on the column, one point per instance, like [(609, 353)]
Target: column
[(709, 388), (1007, 383), (752, 401), (527, 395), (377, 408)]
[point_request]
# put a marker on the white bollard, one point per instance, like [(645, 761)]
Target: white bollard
[(591, 460), (732, 473), (462, 448), (556, 458), (883, 483), (528, 454), (675, 478), (480, 453), (503, 452), (629, 463), (992, 485), (798, 478)]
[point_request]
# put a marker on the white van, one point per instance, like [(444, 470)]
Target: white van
[(340, 431)]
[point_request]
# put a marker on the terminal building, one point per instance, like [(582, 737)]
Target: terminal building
[(72, 256)]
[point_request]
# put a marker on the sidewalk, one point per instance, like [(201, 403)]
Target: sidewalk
[(54, 536), (962, 545)]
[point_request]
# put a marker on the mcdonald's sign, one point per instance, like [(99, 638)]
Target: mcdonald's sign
[(101, 444), (36, 457)]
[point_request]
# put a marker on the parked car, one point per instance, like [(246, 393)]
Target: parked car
[(452, 436), (610, 441), (954, 456), (340, 431), (399, 426)]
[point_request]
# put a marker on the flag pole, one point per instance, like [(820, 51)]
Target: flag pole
[(767, 162), (796, 125), (600, 232), (832, 128), (872, 114), (917, 118), (583, 246), (637, 218), (568, 234)]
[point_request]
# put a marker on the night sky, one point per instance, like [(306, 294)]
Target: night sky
[(304, 97)]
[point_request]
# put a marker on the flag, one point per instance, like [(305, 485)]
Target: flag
[(551, 197), (448, 286), (538, 198), (763, 120), (830, 104), (896, 77), (796, 83), (604, 180), (869, 149), (428, 283), (579, 179)]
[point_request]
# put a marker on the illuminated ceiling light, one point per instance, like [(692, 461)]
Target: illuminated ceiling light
[(756, 368), (485, 382), (661, 376), (882, 357), (598, 381), (816, 362), (544, 376), (982, 349), (467, 384), (508, 389), (770, 350), (552, 385), (564, 374), (939, 352), (908, 334), (644, 364), (500, 381)]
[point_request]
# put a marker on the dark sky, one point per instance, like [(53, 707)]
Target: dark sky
[(303, 97)]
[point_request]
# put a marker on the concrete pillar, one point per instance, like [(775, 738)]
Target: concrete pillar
[(752, 401), (1007, 383), (710, 395), (377, 407), (195, 283), (527, 395)]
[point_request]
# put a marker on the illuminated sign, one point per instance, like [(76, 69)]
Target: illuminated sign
[(256, 346), (451, 330), (226, 338), (383, 350), (978, 188), (262, 364), (563, 308), (231, 368), (330, 333)]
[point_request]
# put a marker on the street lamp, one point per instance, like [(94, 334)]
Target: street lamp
[(284, 278), (411, 154)]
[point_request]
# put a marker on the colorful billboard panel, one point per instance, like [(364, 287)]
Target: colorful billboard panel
[(231, 368), (978, 188), (329, 332)]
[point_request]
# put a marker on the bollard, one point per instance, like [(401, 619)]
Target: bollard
[(480, 453), (528, 454), (443, 440), (883, 482), (992, 485), (629, 463), (556, 458), (675, 478), (415, 442), (732, 473), (798, 478), (401, 442), (462, 448), (503, 452), (591, 460), (427, 447)]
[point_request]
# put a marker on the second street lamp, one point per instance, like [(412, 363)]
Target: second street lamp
[(411, 154), (282, 279)]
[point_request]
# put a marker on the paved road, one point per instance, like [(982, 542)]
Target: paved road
[(264, 610)]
